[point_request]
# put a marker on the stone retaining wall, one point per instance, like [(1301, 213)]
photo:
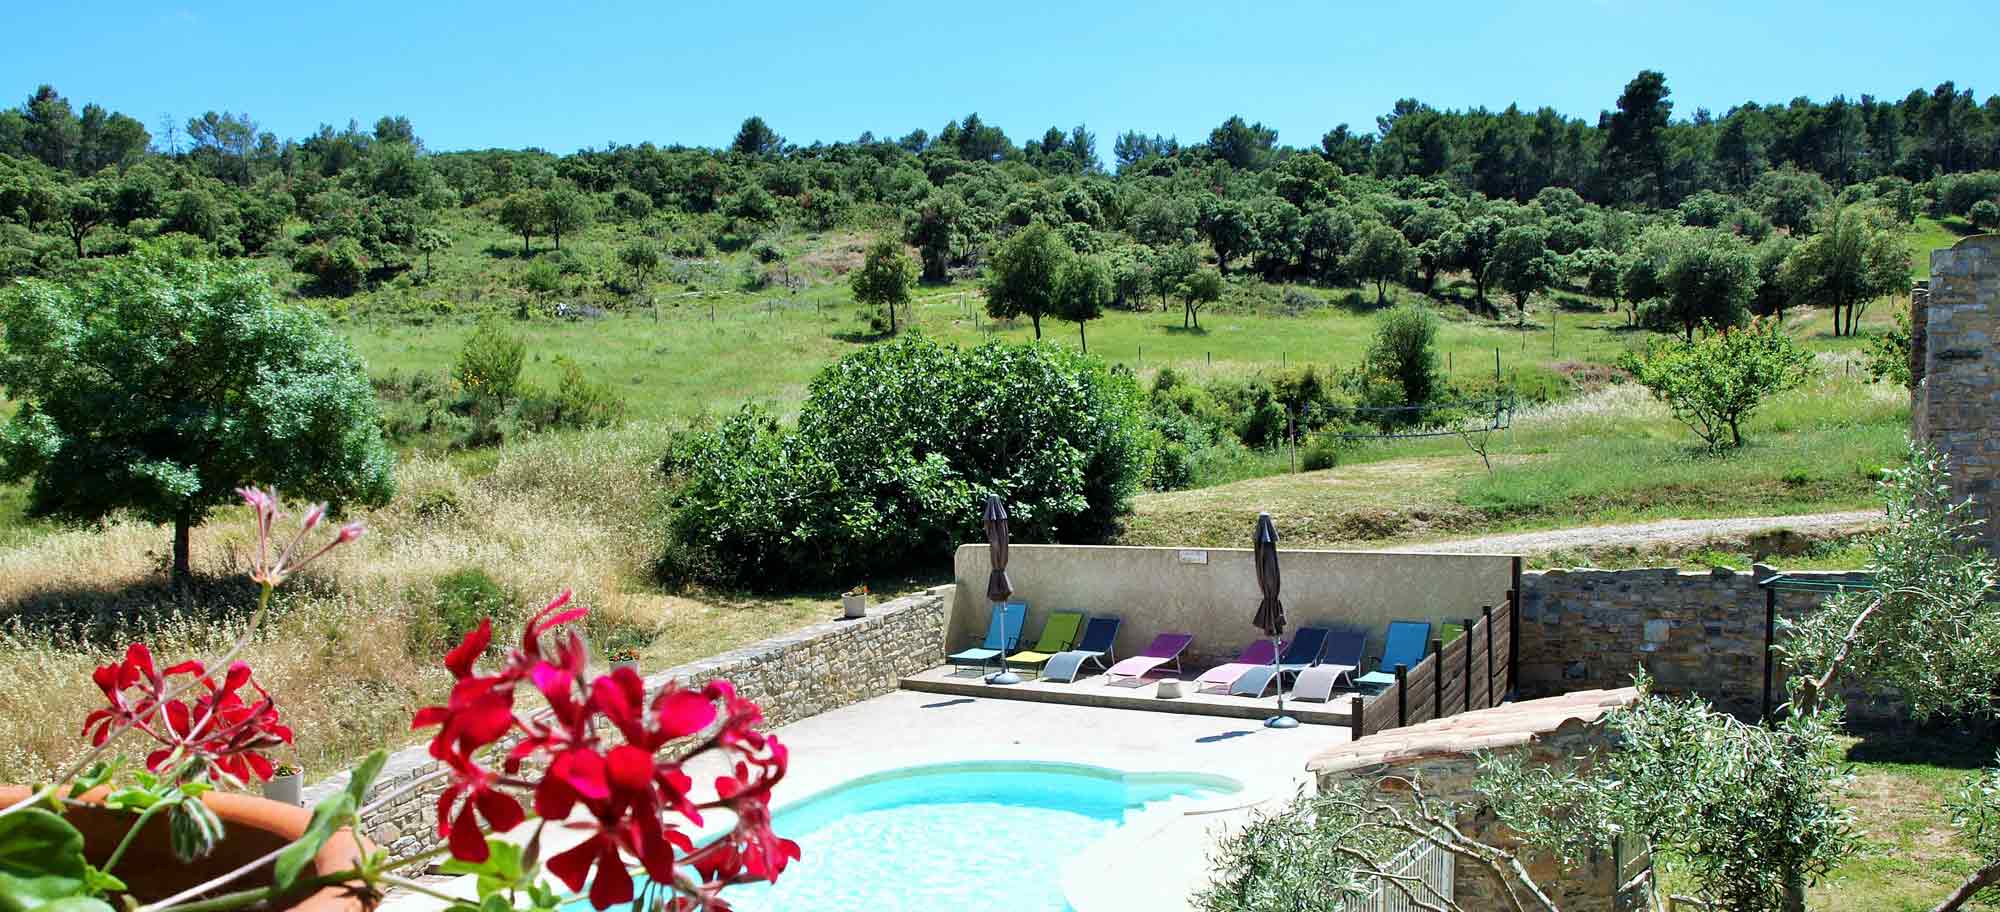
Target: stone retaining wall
[(1699, 633), (794, 676)]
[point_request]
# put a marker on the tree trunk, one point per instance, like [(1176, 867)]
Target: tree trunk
[(1980, 880), (1080, 337), (1381, 292), (183, 525), (78, 235), (1038, 324), (524, 244)]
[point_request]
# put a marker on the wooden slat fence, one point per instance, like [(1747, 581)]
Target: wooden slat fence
[(1473, 671)]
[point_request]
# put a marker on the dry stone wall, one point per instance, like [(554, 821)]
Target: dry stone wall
[(1957, 402), (1694, 633), (794, 676)]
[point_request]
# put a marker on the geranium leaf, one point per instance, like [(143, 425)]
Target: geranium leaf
[(328, 816), (364, 775), (41, 860)]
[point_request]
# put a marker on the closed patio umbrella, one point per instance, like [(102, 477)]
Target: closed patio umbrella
[(1270, 610), (998, 586)]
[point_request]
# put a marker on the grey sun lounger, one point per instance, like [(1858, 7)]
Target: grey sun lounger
[(1344, 649), (1095, 647), (1301, 654)]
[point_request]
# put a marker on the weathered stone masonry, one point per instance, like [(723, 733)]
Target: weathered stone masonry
[(1956, 407), (1694, 633), (794, 676)]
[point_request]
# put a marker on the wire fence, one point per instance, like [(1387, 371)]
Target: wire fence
[(1425, 871)]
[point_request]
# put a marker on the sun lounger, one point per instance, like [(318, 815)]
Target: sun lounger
[(1165, 649), (1337, 664), (1302, 654), (1406, 645), (1003, 634), (1305, 650), (1058, 634), (1259, 654), (1098, 637)]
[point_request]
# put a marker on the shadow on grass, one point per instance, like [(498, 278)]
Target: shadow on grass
[(111, 614), (1173, 330), (1962, 745)]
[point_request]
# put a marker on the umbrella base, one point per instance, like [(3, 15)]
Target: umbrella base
[(1008, 677), (1281, 722)]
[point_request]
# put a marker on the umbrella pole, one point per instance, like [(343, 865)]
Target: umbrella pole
[(1280, 720), (1005, 675)]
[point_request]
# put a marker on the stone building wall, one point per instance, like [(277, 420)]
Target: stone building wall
[(1694, 633), (1443, 757), (794, 676), (1958, 409)]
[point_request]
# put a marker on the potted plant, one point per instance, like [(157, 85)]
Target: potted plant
[(854, 602), (602, 756), (624, 657), (287, 785)]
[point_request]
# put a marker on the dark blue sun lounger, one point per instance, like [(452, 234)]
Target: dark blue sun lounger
[(1095, 647)]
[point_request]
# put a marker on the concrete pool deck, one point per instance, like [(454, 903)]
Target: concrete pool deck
[(1142, 695), (1151, 863)]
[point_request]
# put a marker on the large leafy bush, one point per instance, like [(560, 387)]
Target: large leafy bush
[(894, 448)]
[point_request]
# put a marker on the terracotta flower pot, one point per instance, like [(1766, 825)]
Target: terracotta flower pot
[(253, 827)]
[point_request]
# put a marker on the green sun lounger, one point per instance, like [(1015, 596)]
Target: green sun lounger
[(1057, 635)]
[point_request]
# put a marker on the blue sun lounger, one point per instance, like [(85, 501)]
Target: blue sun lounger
[(1406, 644), (1003, 635), (1098, 636)]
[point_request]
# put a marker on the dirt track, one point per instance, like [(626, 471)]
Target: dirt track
[(1662, 535)]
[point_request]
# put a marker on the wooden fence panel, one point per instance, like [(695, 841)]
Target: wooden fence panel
[(1422, 684)]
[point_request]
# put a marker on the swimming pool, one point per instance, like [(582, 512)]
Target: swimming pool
[(956, 836)]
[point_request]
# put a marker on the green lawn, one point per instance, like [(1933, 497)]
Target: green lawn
[(1909, 857)]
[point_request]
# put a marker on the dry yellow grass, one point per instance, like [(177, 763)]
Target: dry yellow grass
[(346, 650)]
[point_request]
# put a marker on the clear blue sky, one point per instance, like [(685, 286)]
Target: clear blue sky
[(565, 75)]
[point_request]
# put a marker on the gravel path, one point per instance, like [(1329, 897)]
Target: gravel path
[(1661, 535)]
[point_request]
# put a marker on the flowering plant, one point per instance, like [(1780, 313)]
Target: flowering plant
[(603, 760), (858, 590)]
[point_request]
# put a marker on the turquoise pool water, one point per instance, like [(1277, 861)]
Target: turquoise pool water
[(954, 836)]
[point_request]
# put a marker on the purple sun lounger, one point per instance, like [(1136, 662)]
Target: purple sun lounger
[(1259, 654), (1165, 648)]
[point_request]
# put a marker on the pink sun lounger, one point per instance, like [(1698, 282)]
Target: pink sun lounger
[(1165, 648)]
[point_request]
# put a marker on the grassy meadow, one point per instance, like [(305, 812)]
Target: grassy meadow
[(502, 530)]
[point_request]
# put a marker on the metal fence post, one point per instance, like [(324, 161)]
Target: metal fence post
[(1355, 725)]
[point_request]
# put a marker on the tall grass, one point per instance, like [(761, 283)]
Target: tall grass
[(347, 651)]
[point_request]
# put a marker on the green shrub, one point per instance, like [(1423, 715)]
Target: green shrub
[(577, 402), (459, 600), (489, 366), (1321, 451), (894, 448)]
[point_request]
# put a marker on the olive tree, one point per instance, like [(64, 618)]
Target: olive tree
[(162, 384), (1857, 257), (884, 278), (1522, 266), (1083, 290), (1381, 255), (1021, 277)]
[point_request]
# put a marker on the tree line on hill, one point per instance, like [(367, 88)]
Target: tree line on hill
[(1428, 193)]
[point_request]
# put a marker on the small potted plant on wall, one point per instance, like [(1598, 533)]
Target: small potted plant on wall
[(854, 602), (287, 785), (624, 657)]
